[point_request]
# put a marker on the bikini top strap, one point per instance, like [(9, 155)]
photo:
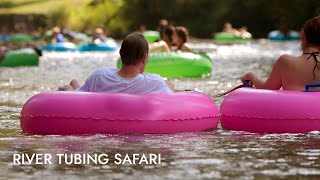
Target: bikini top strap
[(314, 54)]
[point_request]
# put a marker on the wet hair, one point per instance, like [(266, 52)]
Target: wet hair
[(311, 30), (182, 32), (169, 32), (133, 49)]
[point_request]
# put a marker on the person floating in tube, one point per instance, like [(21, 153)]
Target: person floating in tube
[(99, 36), (131, 78), (57, 36), (294, 72), (173, 39)]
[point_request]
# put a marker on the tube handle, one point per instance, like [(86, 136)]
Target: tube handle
[(247, 83), (308, 86)]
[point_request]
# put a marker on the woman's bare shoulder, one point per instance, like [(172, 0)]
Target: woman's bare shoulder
[(287, 59)]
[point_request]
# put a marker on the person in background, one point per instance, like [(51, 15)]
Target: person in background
[(227, 27), (142, 28), (131, 78), (3, 51), (244, 32), (163, 24), (294, 72), (99, 36), (283, 26), (57, 36), (165, 44), (284, 29), (4, 36), (180, 38)]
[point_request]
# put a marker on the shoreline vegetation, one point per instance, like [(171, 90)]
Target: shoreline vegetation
[(121, 17)]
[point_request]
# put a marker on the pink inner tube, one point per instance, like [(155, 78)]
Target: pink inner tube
[(271, 111), (89, 113)]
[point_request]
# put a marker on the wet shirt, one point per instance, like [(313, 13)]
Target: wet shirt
[(108, 80)]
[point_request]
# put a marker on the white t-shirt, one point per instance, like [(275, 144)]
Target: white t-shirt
[(108, 80)]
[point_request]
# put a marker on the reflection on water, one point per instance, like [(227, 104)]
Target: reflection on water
[(216, 154)]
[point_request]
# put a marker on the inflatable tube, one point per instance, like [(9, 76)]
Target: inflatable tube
[(21, 38), (62, 46), (225, 37), (271, 111), (5, 38), (89, 113), (110, 45), (22, 57), (152, 36), (82, 38), (278, 36), (178, 64)]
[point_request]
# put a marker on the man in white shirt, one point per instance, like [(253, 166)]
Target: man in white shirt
[(130, 78)]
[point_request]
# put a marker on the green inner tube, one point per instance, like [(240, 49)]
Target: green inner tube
[(22, 57), (178, 64), (151, 36), (225, 37), (21, 38)]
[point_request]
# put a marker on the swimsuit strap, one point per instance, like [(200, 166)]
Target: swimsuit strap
[(314, 54)]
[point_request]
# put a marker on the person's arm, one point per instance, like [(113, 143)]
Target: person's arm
[(160, 46), (273, 82), (90, 85), (53, 40), (185, 48), (104, 37), (170, 85), (254, 79), (74, 84)]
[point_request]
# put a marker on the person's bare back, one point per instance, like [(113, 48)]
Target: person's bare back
[(298, 71), (295, 72)]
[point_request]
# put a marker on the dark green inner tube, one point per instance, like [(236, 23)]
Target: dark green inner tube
[(21, 57), (178, 64)]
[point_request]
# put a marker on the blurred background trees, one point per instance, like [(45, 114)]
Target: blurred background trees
[(120, 17)]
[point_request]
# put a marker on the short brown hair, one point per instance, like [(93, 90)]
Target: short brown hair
[(133, 48), (311, 30), (168, 31), (182, 32)]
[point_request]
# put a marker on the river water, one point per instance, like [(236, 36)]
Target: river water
[(218, 154)]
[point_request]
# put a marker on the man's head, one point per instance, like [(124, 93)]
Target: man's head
[(56, 30), (180, 35), (99, 30), (134, 50), (167, 34)]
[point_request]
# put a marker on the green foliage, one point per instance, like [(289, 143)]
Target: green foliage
[(101, 13), (201, 17), (59, 16)]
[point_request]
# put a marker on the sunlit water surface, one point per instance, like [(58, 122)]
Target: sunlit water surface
[(218, 154)]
